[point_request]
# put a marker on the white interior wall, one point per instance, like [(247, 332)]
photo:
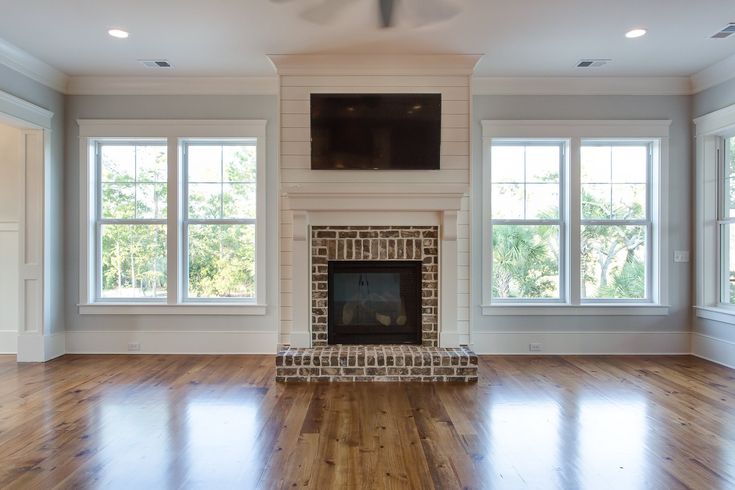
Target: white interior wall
[(10, 165)]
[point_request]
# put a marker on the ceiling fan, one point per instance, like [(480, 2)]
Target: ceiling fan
[(418, 12)]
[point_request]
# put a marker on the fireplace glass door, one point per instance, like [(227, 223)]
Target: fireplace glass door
[(374, 302)]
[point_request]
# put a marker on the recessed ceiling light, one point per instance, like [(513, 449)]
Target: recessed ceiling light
[(118, 33), (634, 33)]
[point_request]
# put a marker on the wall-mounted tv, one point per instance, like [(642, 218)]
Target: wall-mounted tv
[(375, 131)]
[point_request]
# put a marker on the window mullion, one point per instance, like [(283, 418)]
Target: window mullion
[(173, 231), (574, 277)]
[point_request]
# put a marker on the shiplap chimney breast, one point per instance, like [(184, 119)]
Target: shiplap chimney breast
[(354, 198)]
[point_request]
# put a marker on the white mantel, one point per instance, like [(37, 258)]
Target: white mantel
[(374, 197)]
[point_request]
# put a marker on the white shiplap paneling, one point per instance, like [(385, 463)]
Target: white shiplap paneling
[(295, 168)]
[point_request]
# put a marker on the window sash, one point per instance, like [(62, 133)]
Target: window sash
[(99, 221), (560, 221), (186, 222), (723, 239)]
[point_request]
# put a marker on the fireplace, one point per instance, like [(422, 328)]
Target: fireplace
[(374, 302)]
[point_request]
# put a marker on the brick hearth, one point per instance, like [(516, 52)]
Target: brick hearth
[(376, 363)]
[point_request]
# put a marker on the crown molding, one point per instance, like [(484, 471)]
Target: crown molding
[(367, 64), (172, 86), (26, 64), (23, 110), (581, 86), (713, 75)]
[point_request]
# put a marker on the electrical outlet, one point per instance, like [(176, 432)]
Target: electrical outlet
[(134, 347), (535, 347), (681, 255)]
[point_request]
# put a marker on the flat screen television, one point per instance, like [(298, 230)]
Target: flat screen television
[(375, 131)]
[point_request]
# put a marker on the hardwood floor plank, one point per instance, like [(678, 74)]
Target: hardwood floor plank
[(222, 422)]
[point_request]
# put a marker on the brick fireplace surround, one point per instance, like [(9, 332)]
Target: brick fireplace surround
[(372, 243)]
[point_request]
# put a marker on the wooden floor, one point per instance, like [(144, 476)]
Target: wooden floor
[(149, 422)]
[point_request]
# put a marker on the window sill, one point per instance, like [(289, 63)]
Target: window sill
[(598, 309), (165, 309), (716, 313)]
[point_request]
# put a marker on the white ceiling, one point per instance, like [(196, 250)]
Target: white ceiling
[(231, 37)]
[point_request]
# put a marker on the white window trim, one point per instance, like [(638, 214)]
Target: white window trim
[(173, 131), (574, 131), (709, 129)]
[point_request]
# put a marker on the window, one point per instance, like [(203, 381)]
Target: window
[(615, 223), (219, 219), (131, 219), (175, 217), (527, 223), (726, 219), (715, 215), (572, 214)]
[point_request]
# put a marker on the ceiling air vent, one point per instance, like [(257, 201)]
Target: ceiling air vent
[(728, 31), (156, 63), (593, 63)]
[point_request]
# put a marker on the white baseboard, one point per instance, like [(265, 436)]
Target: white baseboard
[(8, 342), (54, 345), (164, 342), (714, 349), (581, 342)]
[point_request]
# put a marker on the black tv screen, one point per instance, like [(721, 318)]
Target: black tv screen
[(375, 131)]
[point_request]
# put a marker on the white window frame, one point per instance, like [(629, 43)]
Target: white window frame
[(711, 131), (575, 131), (174, 132)]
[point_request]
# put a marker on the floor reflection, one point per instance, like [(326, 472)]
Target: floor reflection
[(612, 441), (151, 440), (525, 442)]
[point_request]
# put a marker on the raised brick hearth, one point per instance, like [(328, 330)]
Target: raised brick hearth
[(376, 363)]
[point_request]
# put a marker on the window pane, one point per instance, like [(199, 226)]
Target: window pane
[(118, 201), (204, 163), (221, 261), (507, 163), (542, 201), (630, 164), (133, 261), (629, 201), (542, 163), (727, 236), (151, 163), (595, 164), (729, 182), (151, 201), (239, 163), (507, 201), (596, 201), (525, 261), (118, 163), (613, 262), (239, 201), (205, 201)]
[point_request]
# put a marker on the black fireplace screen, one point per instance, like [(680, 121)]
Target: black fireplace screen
[(374, 302)]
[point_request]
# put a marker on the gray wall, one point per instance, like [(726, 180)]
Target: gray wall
[(707, 101), (675, 108), (167, 107), (24, 88)]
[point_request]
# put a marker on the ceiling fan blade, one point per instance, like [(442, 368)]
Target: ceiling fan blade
[(387, 7), (425, 12), (325, 12)]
